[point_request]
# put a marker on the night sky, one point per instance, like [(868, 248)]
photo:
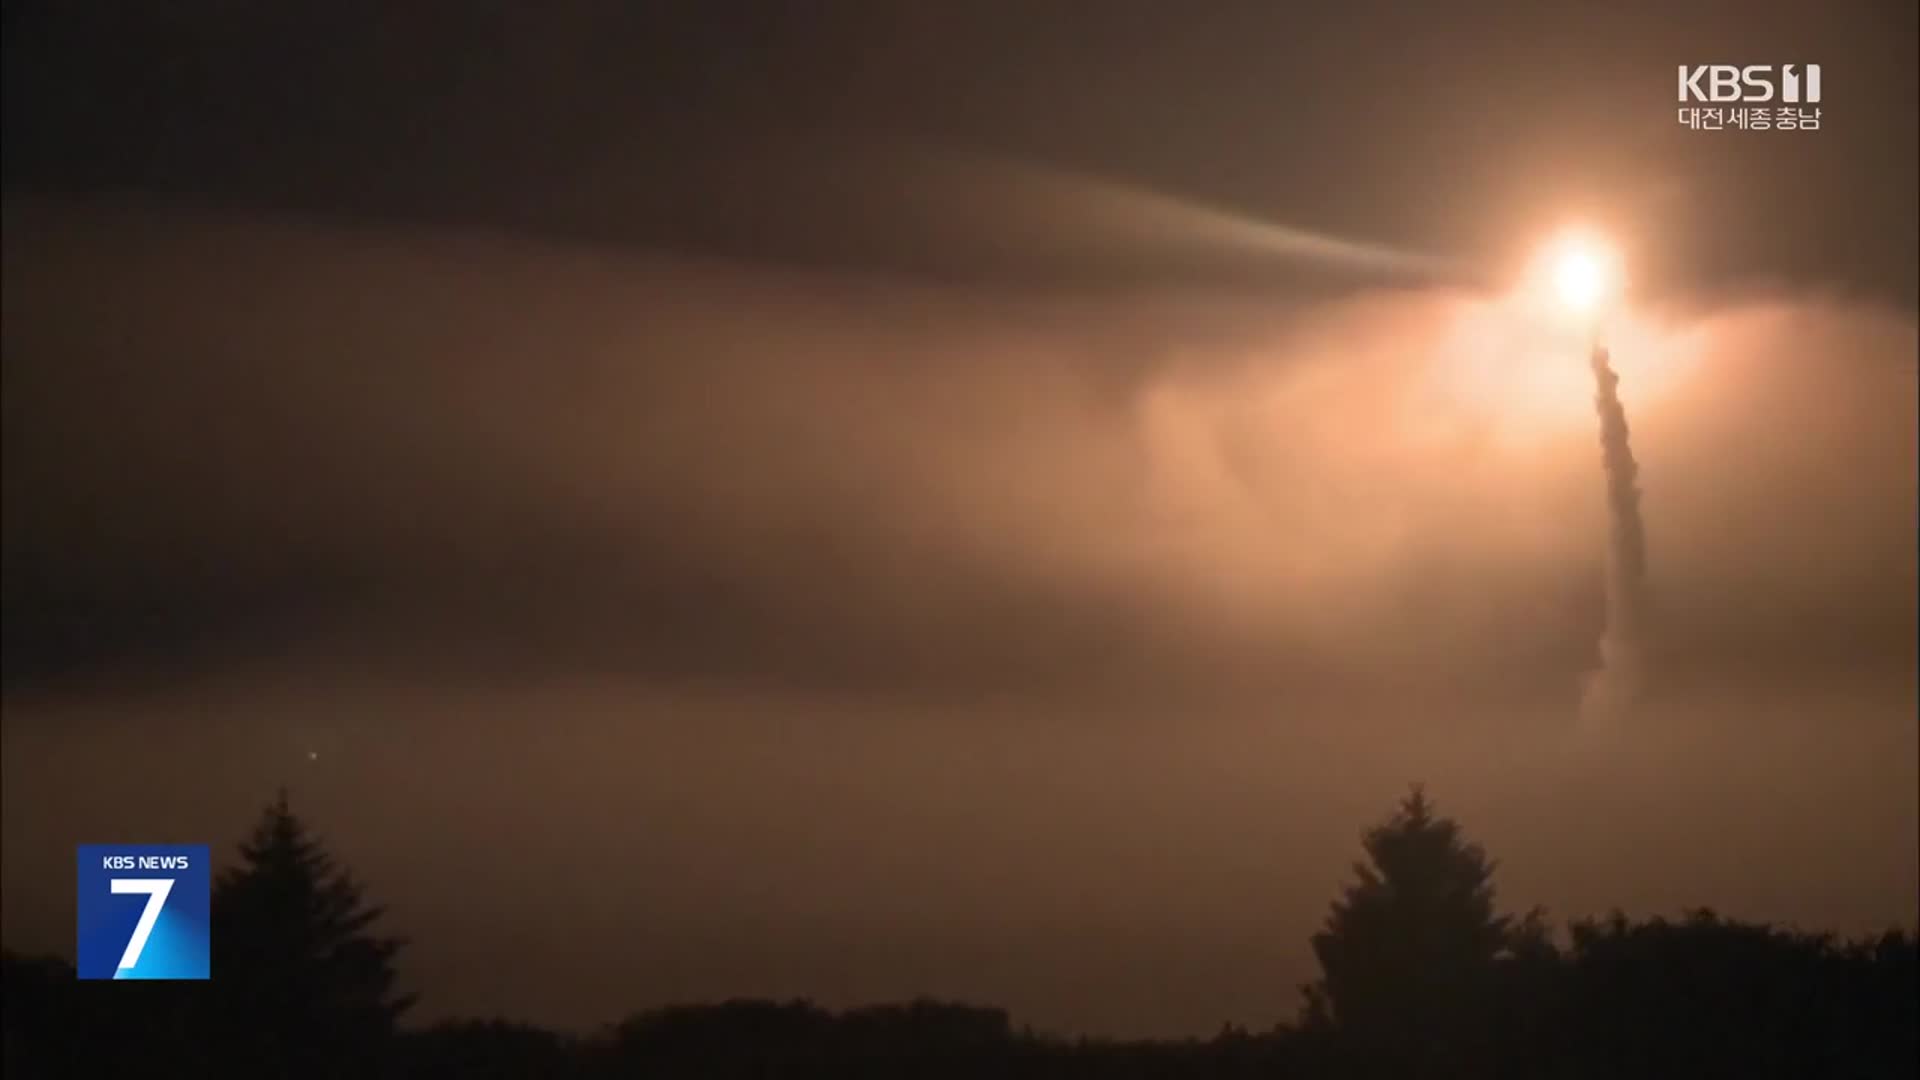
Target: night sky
[(854, 500)]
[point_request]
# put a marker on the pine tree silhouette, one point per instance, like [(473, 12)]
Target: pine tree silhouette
[(1408, 952), (305, 988)]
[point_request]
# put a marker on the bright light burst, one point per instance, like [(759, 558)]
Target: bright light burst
[(1579, 279), (1584, 272), (1516, 364)]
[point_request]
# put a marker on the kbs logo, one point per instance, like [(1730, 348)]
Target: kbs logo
[(1739, 97), (1752, 84), (143, 911)]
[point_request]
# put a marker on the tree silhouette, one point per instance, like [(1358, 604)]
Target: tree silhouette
[(1420, 978), (1408, 952), (305, 988), (1705, 996)]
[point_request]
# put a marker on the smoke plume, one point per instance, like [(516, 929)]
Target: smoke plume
[(1621, 674)]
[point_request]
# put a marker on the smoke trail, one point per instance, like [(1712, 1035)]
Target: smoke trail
[(1620, 678), (1150, 214), (1047, 210)]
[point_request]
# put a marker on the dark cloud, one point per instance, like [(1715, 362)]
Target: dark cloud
[(756, 133), (226, 436)]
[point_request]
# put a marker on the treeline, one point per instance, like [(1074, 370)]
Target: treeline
[(1421, 976)]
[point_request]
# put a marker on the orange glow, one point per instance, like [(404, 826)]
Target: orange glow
[(1578, 273), (1520, 367), (1515, 366), (1580, 278)]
